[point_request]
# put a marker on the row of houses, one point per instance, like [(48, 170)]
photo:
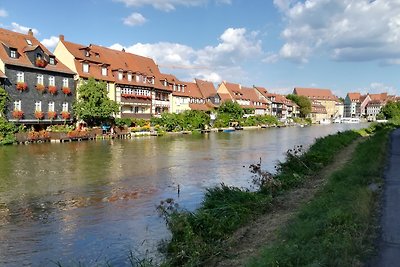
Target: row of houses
[(42, 85), (366, 106)]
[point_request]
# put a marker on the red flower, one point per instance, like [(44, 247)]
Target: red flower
[(39, 115), (65, 115), (22, 86), (52, 115), (52, 89), (40, 63), (18, 114), (40, 87), (66, 90)]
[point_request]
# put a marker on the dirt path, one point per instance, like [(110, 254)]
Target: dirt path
[(248, 240)]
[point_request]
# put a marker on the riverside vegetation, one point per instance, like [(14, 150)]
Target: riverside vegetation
[(336, 228)]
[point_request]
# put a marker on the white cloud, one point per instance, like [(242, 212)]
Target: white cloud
[(346, 30), (50, 43), (3, 13), (22, 29), (225, 59), (135, 19), (168, 5)]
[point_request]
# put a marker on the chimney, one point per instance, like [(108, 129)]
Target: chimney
[(30, 32), (123, 49), (61, 37)]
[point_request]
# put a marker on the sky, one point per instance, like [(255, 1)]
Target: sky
[(342, 45)]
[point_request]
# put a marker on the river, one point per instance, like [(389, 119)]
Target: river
[(95, 202)]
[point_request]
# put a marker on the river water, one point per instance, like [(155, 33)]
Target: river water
[(95, 202)]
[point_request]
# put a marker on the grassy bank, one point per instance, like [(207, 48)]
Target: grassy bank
[(198, 236), (338, 227)]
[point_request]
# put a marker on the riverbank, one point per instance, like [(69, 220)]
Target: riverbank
[(201, 235)]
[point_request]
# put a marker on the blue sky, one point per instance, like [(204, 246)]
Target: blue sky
[(343, 45)]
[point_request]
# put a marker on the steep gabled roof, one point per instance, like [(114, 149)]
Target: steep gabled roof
[(23, 44), (115, 60), (354, 96), (206, 88), (315, 93), (193, 91)]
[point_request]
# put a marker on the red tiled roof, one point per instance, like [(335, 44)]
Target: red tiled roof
[(354, 96), (203, 107), (193, 90), (381, 97), (315, 93), (225, 97), (98, 56), (206, 88), (19, 41), (262, 91)]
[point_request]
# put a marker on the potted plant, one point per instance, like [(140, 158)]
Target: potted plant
[(39, 62), (40, 88), (22, 86), (66, 90), (65, 115), (52, 115), (52, 89), (39, 115), (18, 114)]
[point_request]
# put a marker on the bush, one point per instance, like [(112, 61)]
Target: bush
[(122, 122), (7, 130)]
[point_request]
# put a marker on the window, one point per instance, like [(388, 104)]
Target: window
[(65, 82), (129, 76), (39, 79), (38, 106), (120, 75), (136, 110), (20, 77), (17, 105), (52, 81), (137, 78), (87, 54), (52, 61), (104, 71), (51, 106), (165, 83), (152, 80), (85, 67), (144, 79), (13, 53), (65, 106), (29, 42), (39, 56)]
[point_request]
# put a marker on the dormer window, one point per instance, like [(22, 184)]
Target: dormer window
[(152, 80), (129, 76), (137, 78), (29, 42), (165, 83), (13, 53), (104, 71), (87, 54), (85, 67), (52, 61), (120, 75)]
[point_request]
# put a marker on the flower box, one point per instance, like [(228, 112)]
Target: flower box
[(65, 115), (39, 115), (40, 88), (52, 89), (52, 115), (18, 114), (21, 86), (39, 62), (66, 90)]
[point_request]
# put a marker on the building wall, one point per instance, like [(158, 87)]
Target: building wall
[(63, 55), (179, 104), (31, 95)]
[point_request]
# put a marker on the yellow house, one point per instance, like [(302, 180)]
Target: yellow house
[(323, 96), (180, 98)]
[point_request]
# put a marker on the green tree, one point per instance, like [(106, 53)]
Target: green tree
[(93, 104), (391, 110), (4, 98), (234, 110), (303, 102)]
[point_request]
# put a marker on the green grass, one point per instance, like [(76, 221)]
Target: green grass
[(338, 227), (200, 235)]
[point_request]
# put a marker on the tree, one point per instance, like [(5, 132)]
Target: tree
[(4, 98), (234, 110), (391, 110), (303, 102), (93, 104)]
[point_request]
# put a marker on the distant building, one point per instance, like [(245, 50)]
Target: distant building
[(41, 88), (352, 105), (320, 97)]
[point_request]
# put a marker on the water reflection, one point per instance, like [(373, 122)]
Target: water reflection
[(94, 202)]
